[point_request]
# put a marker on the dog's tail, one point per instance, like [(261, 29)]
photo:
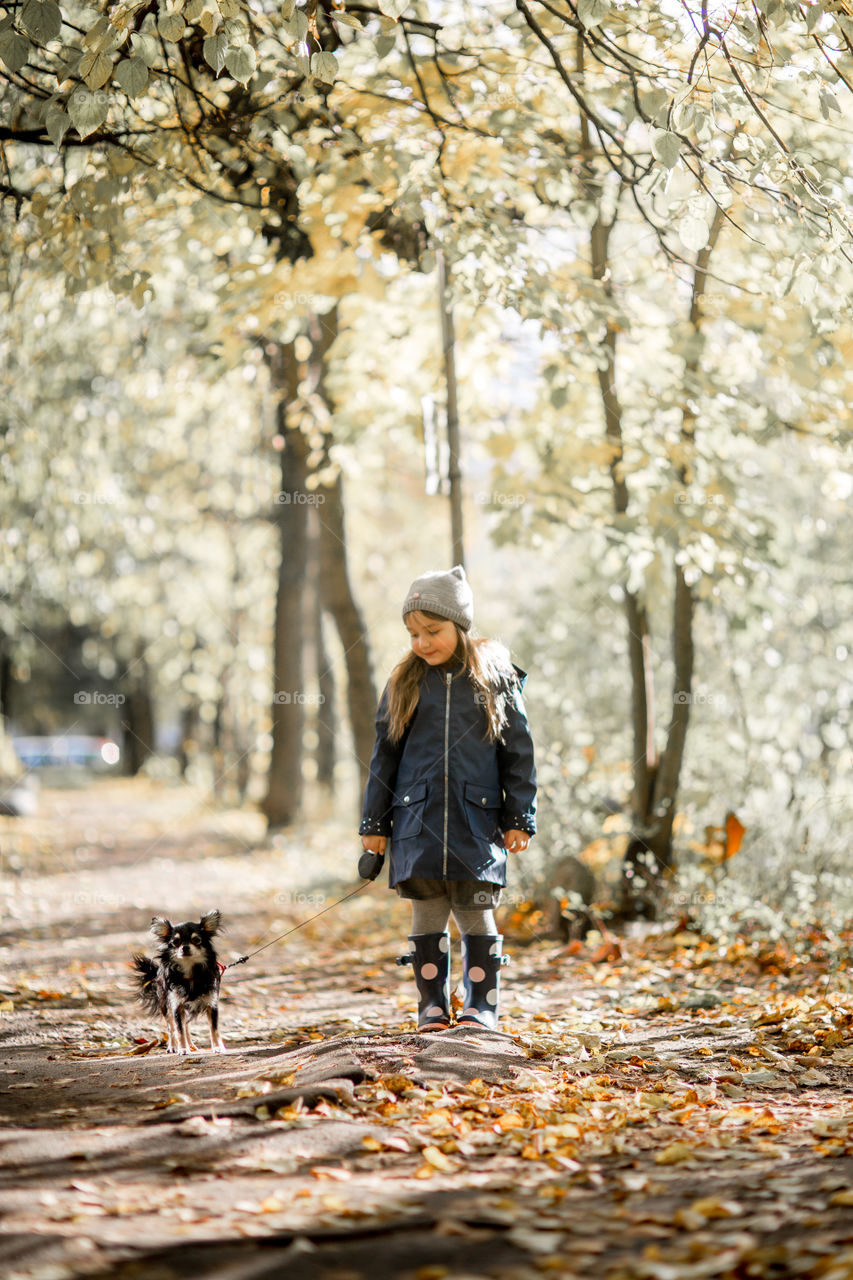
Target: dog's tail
[(144, 974)]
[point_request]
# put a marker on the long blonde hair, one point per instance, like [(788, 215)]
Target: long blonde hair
[(489, 669)]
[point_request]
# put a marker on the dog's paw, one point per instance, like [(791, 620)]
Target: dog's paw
[(218, 1047)]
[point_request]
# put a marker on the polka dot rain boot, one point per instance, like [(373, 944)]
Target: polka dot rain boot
[(431, 961), (481, 970)]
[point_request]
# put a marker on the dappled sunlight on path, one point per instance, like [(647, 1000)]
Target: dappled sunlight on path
[(669, 1112)]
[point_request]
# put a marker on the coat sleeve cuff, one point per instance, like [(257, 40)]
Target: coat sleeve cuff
[(375, 827), (514, 821)]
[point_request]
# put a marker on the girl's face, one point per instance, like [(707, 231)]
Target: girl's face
[(433, 639)]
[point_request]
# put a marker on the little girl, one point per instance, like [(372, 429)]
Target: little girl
[(453, 784)]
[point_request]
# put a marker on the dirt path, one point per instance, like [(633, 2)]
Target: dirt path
[(669, 1112)]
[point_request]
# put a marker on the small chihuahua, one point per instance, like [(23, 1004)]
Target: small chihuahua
[(182, 979)]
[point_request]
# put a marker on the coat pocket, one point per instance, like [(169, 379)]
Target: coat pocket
[(483, 806), (408, 811)]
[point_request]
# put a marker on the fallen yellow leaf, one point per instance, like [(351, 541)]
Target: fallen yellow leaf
[(689, 1219), (438, 1160), (509, 1120), (272, 1204), (711, 1207), (674, 1153), (396, 1083)]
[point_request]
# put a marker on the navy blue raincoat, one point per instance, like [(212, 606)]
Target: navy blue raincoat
[(443, 792)]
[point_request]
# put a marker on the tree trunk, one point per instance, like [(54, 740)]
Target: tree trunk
[(9, 763), (336, 594), (230, 741), (137, 719), (650, 853), (218, 749), (454, 473), (188, 747), (339, 601), (643, 756), (659, 842), (326, 711), (283, 800), (5, 679), (325, 723), (238, 730), (669, 769), (652, 811)]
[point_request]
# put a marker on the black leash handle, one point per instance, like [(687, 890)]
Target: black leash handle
[(367, 879), (370, 864)]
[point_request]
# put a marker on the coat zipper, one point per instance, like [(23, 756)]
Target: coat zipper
[(446, 771)]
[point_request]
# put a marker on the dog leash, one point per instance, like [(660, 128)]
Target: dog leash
[(368, 872)]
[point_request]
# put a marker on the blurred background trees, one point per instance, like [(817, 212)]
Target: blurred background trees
[(224, 398)]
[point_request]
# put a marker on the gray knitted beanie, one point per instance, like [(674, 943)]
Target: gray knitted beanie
[(446, 593)]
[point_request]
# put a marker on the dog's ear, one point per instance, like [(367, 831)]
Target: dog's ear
[(211, 922), (160, 927)]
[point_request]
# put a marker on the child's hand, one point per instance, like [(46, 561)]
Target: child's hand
[(374, 844), (516, 840)]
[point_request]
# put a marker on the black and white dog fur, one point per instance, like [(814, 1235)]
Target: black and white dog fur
[(182, 980)]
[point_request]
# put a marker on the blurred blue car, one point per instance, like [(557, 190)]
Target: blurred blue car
[(99, 754)]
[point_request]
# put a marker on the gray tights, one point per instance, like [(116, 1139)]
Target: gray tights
[(430, 915)]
